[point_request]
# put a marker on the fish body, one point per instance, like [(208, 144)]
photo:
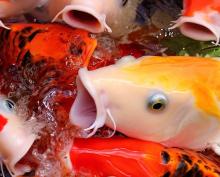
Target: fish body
[(124, 157), (33, 42), (169, 100), (196, 5), (200, 20), (16, 137)]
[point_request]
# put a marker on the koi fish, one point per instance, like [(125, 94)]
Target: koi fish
[(33, 42), (9, 8), (169, 100), (200, 20), (16, 137), (124, 157), (96, 16)]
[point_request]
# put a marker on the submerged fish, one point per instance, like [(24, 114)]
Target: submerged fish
[(16, 137), (124, 157), (200, 20), (9, 8), (170, 100)]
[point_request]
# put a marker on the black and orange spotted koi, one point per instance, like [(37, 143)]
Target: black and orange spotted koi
[(33, 54), (124, 157), (52, 42)]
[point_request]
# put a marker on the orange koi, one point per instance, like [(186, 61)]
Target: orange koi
[(192, 7), (124, 157)]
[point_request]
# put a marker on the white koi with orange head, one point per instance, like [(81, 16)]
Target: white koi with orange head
[(170, 100), (200, 20), (16, 137)]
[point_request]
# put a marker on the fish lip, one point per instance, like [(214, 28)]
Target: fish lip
[(87, 94), (98, 26), (197, 19)]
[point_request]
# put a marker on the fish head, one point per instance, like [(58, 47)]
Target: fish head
[(92, 16), (153, 98), (15, 137), (200, 20)]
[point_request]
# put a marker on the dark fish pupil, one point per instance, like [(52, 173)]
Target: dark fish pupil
[(10, 104), (157, 106), (157, 102)]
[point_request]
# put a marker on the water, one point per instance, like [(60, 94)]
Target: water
[(45, 90)]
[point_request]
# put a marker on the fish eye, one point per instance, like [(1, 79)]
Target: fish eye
[(9, 104), (157, 102)]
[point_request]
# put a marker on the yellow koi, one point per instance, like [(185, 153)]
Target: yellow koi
[(170, 100)]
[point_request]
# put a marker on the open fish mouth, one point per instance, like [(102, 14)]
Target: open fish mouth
[(198, 28), (197, 31), (85, 18), (88, 111)]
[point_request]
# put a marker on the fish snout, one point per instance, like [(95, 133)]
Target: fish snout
[(88, 111), (16, 138), (84, 17), (200, 26)]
